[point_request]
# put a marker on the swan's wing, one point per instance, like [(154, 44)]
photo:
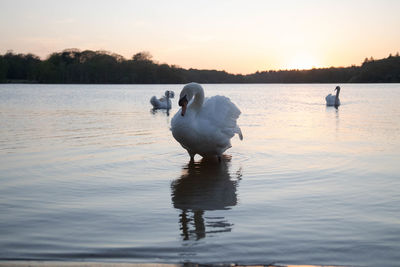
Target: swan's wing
[(154, 101), (221, 114), (161, 103), (328, 99)]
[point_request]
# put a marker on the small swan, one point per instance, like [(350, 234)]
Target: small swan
[(164, 102), (333, 100), (204, 126)]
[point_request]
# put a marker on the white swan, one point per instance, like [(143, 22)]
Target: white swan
[(204, 126), (164, 102), (333, 100)]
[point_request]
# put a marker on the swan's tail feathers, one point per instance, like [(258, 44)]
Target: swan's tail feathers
[(239, 132)]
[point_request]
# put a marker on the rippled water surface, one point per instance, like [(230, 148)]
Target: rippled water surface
[(90, 172)]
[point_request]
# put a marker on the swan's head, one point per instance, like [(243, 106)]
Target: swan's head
[(183, 101), (337, 88), (169, 94), (186, 95)]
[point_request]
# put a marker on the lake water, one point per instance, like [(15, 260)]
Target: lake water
[(91, 173)]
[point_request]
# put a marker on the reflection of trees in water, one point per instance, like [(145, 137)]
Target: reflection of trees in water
[(204, 186)]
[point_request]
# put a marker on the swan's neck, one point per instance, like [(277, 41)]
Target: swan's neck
[(337, 97), (198, 98)]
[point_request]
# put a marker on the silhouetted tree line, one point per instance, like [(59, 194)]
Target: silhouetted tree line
[(75, 66)]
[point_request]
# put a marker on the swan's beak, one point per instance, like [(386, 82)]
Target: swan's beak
[(184, 109), (183, 103)]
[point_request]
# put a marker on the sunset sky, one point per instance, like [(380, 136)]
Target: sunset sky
[(236, 36)]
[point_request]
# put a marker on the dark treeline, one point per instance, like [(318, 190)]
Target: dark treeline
[(74, 66)]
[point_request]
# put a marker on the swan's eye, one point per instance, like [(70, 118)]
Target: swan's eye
[(182, 100)]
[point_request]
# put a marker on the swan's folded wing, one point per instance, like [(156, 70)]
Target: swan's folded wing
[(327, 98), (154, 101), (222, 114), (330, 100)]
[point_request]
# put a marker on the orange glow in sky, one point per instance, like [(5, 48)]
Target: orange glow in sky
[(302, 61), (232, 35)]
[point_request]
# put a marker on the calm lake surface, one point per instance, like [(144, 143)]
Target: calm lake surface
[(91, 173)]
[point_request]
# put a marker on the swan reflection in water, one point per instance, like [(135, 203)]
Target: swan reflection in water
[(155, 111), (204, 186)]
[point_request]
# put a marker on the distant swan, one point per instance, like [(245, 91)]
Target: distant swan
[(204, 126), (333, 100), (164, 102)]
